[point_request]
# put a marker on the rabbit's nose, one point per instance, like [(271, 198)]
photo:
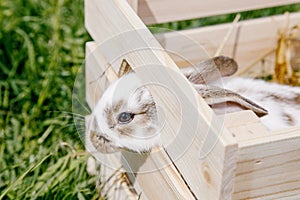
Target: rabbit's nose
[(100, 137)]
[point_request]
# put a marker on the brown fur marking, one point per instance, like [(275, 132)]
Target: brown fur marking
[(110, 113), (125, 130), (289, 119), (297, 99)]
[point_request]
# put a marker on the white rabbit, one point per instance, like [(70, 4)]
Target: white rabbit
[(126, 118)]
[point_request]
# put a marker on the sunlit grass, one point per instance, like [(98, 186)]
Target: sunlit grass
[(42, 48)]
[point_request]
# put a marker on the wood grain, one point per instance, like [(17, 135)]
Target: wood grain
[(202, 151), (133, 4), (268, 166), (160, 11)]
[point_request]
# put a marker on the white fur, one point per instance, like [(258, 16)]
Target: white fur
[(261, 92), (125, 89)]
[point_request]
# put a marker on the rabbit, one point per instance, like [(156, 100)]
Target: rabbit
[(125, 117)]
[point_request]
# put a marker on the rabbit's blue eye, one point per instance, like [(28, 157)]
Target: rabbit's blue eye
[(125, 117)]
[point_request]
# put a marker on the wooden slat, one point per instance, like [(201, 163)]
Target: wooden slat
[(133, 4), (269, 167), (122, 34), (249, 42), (160, 11), (95, 86), (269, 162), (95, 65), (96, 82), (245, 125)]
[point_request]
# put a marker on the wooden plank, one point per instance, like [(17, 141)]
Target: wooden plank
[(245, 125), (249, 42), (96, 82), (152, 181), (269, 167), (133, 4), (172, 186), (269, 162), (110, 172), (158, 11), (200, 141)]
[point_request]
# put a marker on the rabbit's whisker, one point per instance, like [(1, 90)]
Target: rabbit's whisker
[(83, 106)]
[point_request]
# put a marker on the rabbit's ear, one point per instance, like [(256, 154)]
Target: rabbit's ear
[(215, 95), (125, 68), (210, 70)]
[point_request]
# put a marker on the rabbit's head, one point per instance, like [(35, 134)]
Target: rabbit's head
[(124, 118)]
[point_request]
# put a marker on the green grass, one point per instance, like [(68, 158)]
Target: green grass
[(41, 51)]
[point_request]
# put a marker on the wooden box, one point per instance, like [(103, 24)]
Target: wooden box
[(242, 160)]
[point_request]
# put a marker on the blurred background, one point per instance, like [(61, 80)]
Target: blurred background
[(41, 53)]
